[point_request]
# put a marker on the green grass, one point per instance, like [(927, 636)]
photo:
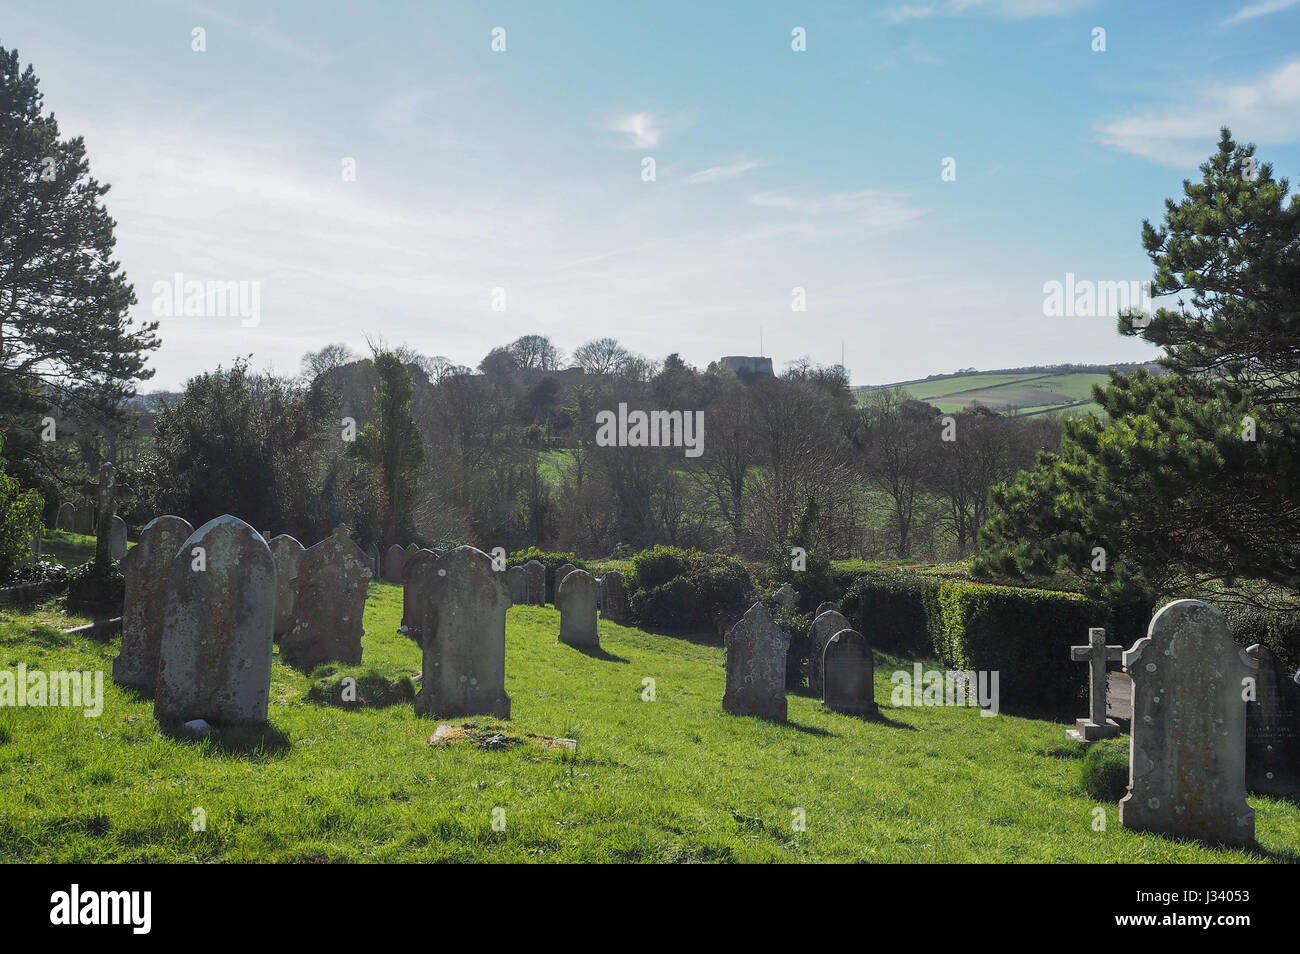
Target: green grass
[(676, 779), (70, 549)]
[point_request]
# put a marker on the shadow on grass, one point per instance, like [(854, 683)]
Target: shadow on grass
[(597, 653), (809, 729), (876, 718), (253, 742)]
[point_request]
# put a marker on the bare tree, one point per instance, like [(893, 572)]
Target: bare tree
[(899, 441), (334, 355), (535, 351), (601, 356)]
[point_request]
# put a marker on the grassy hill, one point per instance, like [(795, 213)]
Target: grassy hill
[(673, 780), (1026, 391)]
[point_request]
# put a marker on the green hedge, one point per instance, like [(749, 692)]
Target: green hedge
[(552, 562), (677, 589), (893, 610), (1280, 632), (1025, 635)]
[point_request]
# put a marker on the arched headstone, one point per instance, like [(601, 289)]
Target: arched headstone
[(287, 552), (576, 601), (117, 538), (329, 600), (849, 674), (823, 628), (147, 568), (394, 559)]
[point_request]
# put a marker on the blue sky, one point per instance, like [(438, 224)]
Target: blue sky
[(775, 169)]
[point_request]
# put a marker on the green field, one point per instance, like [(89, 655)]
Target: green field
[(1019, 392), (674, 780)]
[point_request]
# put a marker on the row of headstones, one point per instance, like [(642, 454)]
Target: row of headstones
[(1209, 720), (203, 608)]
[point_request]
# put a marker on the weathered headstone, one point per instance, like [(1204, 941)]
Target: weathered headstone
[(576, 600), (117, 538), (613, 597), (287, 552), (756, 650), (84, 522), (328, 604), (410, 556), (66, 519), (415, 593), (823, 628), (215, 657), (517, 583), (560, 574), (1187, 752), (462, 629), (1096, 653), (394, 560), (147, 568), (1273, 728), (785, 595), (536, 572), (849, 673), (375, 561), (826, 608)]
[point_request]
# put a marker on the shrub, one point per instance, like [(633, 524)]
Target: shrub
[(88, 590), (44, 571), (1104, 772), (20, 518), (893, 609), (680, 589), (1280, 632), (1023, 634)]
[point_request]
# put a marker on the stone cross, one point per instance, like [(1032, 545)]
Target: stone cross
[(1097, 654), (106, 491)]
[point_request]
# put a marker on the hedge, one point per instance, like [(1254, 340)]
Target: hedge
[(681, 590), (893, 610)]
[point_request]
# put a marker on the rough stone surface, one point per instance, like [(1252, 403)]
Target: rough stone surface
[(287, 552), (823, 628), (411, 555), (517, 584), (146, 568), (330, 597), (613, 597), (458, 615), (66, 518), (826, 608), (1273, 728), (560, 574), (576, 601), (117, 538), (196, 729), (536, 573), (849, 673), (785, 595), (215, 661), (1095, 654), (756, 650), (394, 561), (1187, 752)]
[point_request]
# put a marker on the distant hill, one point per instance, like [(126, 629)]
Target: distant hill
[(1060, 389)]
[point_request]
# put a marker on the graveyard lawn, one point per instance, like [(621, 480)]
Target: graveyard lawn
[(673, 780)]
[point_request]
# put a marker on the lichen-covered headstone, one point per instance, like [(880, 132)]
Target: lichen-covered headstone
[(215, 658), (66, 518), (613, 597), (410, 556), (785, 595), (1187, 752), (823, 628), (329, 601), (756, 650), (462, 631), (287, 552), (576, 601), (147, 569), (394, 560), (536, 571), (517, 583), (849, 674), (1273, 728)]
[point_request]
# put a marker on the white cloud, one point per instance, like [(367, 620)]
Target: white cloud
[(872, 209), (640, 130), (721, 173), (1259, 10), (1264, 110), (1003, 9), (911, 11)]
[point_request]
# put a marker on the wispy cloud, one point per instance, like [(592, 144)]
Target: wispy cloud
[(873, 209), (1263, 9), (911, 11), (1003, 9), (722, 173), (1266, 109), (639, 130)]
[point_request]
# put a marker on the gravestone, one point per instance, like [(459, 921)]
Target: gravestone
[(613, 597), (536, 573), (785, 595), (329, 599), (1096, 653), (823, 628), (394, 560), (1187, 752), (576, 600), (146, 568), (517, 583), (849, 674), (461, 627), (117, 538), (756, 650), (560, 574), (410, 556), (1273, 728), (415, 591), (826, 608), (287, 552), (375, 562), (84, 523), (215, 656), (66, 518)]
